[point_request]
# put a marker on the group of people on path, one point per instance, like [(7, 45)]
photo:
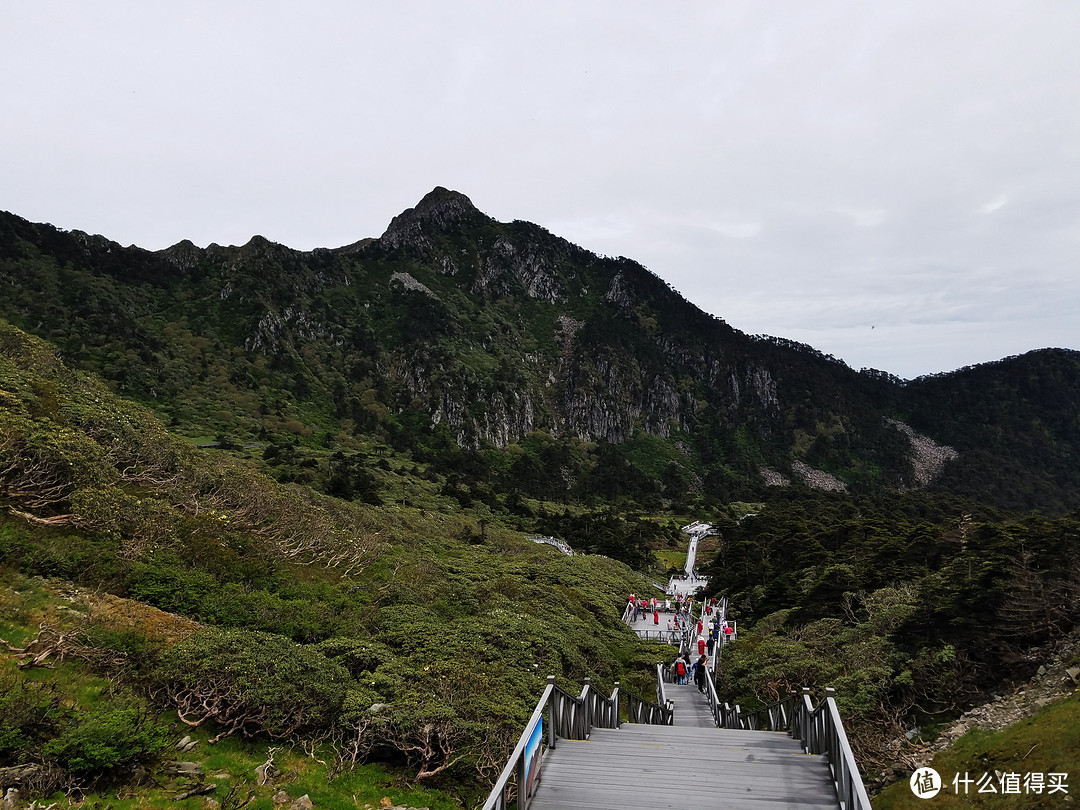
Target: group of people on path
[(642, 608), (719, 632), (697, 671)]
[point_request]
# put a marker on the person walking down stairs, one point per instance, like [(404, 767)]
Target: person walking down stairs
[(701, 671)]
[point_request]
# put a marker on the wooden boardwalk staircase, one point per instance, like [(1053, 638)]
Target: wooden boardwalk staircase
[(677, 753), (645, 767), (686, 750)]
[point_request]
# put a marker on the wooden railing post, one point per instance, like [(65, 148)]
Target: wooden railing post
[(807, 721), (615, 696), (584, 715), (551, 712)]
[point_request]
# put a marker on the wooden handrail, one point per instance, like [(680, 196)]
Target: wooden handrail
[(662, 677), (497, 799), (570, 717), (826, 735), (819, 729)]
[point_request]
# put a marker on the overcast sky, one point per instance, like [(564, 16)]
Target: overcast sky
[(895, 183)]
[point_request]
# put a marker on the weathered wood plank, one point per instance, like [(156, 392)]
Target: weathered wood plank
[(642, 767), (691, 706)]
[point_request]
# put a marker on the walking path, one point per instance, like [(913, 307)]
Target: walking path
[(691, 764), (641, 767), (691, 706)]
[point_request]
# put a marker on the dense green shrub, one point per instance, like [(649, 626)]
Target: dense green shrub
[(30, 712), (167, 584), (252, 682), (104, 739), (52, 552)]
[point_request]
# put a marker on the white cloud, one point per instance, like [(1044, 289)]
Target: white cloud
[(737, 230), (865, 217), (994, 205)]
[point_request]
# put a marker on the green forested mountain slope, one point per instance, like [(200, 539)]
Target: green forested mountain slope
[(1019, 422), (311, 610), (455, 329)]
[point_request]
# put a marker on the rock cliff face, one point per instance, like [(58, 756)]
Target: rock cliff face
[(291, 324), (507, 266), (606, 375), (184, 256)]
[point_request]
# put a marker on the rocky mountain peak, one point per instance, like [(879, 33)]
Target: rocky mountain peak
[(439, 210), (184, 255), (259, 249), (440, 201)]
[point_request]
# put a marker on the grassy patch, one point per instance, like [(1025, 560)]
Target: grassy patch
[(1048, 742), (671, 559)]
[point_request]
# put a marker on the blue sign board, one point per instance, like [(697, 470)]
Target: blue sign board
[(533, 756)]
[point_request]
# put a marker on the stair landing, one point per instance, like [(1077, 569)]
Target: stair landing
[(645, 767)]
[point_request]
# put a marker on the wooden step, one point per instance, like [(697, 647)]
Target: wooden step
[(640, 767), (691, 706)]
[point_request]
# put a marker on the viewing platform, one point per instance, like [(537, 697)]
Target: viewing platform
[(648, 629)]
